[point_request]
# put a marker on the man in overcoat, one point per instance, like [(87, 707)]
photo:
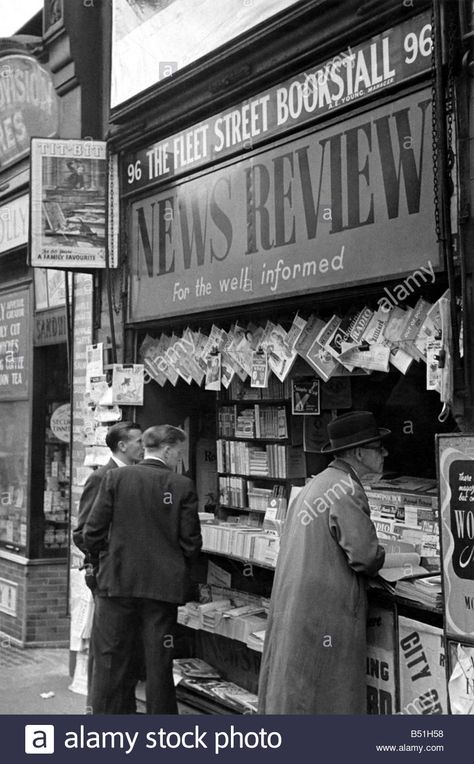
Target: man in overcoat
[(144, 526), (314, 656)]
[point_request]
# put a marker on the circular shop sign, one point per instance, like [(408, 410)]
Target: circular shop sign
[(60, 422)]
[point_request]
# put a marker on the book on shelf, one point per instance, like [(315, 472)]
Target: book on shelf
[(256, 640), (195, 668), (265, 422), (232, 491), (234, 696), (270, 460), (427, 590), (241, 391)]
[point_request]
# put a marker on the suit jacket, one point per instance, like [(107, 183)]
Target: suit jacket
[(89, 495), (145, 527)]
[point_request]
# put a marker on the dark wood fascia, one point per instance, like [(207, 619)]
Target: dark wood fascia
[(312, 32)]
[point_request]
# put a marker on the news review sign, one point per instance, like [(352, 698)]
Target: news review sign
[(352, 75), (350, 203)]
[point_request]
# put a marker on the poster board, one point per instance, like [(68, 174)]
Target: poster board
[(455, 460), (381, 662), (68, 203), (15, 344), (422, 668), (461, 678)]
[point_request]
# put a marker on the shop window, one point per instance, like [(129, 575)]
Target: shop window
[(14, 457), (56, 479), (50, 463)]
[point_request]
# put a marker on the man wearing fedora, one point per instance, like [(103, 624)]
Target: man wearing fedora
[(314, 655)]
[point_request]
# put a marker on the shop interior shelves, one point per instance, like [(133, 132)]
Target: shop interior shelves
[(244, 560)]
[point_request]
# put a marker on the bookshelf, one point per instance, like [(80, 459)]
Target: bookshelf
[(256, 460)]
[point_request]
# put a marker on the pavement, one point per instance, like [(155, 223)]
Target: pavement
[(27, 673)]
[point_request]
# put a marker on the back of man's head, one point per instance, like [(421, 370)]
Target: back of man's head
[(156, 438), (118, 433)]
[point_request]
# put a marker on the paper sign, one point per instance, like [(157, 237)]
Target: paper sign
[(127, 384)]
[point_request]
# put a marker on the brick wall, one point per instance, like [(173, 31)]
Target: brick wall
[(41, 603), (10, 625)]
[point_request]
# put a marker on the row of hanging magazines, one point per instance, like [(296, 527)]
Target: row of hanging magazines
[(358, 343)]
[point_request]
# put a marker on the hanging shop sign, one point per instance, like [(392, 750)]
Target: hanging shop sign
[(14, 344), (29, 106), (14, 223), (50, 327), (352, 75), (422, 668), (68, 204), (351, 203), (455, 454)]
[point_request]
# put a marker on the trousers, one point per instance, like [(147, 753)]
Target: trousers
[(137, 673), (118, 623)]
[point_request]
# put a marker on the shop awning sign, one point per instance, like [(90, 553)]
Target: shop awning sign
[(14, 223), (351, 203), (29, 106), (354, 74)]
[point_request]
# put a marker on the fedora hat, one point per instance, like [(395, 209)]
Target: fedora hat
[(353, 429)]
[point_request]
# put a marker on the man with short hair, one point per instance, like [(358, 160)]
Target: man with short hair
[(144, 526), (124, 440), (314, 656)]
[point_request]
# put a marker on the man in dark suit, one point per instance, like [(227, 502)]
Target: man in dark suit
[(144, 526), (124, 440)]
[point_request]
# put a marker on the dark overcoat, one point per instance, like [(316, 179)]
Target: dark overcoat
[(144, 525), (314, 658)]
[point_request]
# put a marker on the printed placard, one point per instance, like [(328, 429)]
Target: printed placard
[(305, 396), (68, 204), (127, 384), (455, 454)]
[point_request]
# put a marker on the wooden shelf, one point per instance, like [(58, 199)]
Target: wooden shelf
[(241, 509), (244, 560), (243, 439), (260, 477), (253, 401)]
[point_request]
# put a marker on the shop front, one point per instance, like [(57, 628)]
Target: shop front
[(45, 92), (284, 266)]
